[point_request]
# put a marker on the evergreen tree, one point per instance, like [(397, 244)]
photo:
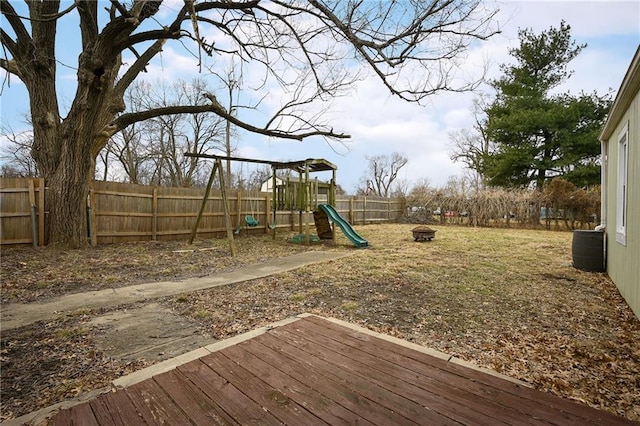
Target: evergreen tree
[(537, 134)]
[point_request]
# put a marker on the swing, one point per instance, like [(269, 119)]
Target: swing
[(249, 219)]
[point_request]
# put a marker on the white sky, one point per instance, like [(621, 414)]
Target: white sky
[(380, 124)]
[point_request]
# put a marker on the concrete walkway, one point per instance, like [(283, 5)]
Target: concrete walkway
[(16, 315)]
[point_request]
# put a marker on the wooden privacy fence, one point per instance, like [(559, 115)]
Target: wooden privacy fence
[(121, 212), (22, 211)]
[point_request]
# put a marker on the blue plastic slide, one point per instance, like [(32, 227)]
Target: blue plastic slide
[(348, 231)]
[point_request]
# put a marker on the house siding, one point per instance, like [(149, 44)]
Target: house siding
[(623, 260)]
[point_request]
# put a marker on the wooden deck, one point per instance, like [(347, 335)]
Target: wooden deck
[(314, 371)]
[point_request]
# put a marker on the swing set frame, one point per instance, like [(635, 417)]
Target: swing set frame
[(305, 203)]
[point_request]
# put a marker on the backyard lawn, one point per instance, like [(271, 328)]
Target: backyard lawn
[(505, 299)]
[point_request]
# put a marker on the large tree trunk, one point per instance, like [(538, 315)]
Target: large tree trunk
[(69, 187), (66, 200), (77, 141)]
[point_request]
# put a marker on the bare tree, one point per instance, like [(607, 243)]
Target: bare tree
[(129, 147), (131, 154), (400, 188), (420, 188), (152, 151), (472, 146), (382, 172), (258, 176), (15, 153), (199, 133), (231, 78), (456, 187), (308, 49)]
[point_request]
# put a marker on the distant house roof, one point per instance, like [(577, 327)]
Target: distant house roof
[(266, 185), (315, 165), (626, 93)]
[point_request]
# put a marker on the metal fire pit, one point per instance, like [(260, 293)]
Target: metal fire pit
[(423, 233)]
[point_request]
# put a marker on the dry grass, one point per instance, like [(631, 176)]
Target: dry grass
[(505, 299), (33, 274)]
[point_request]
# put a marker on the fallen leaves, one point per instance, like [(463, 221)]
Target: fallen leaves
[(503, 299), (32, 274), (47, 362)]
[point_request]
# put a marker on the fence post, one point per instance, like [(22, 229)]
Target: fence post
[(239, 209), (364, 211), (94, 225), (351, 215), (154, 215), (266, 213), (32, 210), (388, 209), (41, 211)]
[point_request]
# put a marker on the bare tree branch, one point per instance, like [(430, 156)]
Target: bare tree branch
[(126, 119), (22, 35), (245, 6), (138, 66), (8, 42), (120, 8), (50, 17), (10, 66), (395, 42), (88, 11), (383, 171)]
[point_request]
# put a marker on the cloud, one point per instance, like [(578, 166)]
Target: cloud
[(169, 65), (588, 19), (380, 123)]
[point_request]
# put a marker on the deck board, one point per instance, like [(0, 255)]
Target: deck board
[(528, 401), (313, 371), (154, 405), (461, 406), (200, 409), (269, 398), (332, 390), (103, 413), (367, 398), (297, 390), (486, 404), (240, 407), (121, 409), (370, 383), (81, 414)]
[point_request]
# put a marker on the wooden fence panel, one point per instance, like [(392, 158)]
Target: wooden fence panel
[(343, 206), (178, 209), (16, 222), (377, 210), (121, 212)]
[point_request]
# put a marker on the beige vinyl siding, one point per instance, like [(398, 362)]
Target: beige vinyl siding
[(623, 260)]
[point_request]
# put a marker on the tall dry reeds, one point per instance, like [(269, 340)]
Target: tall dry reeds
[(561, 205)]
